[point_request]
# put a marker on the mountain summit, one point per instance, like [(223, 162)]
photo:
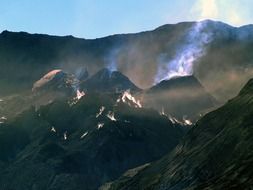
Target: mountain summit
[(108, 81), (182, 97)]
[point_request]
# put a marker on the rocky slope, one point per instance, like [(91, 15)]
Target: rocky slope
[(215, 154), (81, 144), (181, 97)]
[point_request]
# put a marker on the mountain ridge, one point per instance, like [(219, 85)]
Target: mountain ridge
[(140, 32), (181, 97), (70, 53), (106, 80), (215, 154)]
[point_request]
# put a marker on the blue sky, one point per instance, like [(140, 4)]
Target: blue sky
[(98, 18)]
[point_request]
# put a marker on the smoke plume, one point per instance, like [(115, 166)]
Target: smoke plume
[(111, 59), (182, 63)]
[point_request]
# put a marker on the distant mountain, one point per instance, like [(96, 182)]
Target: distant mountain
[(225, 64), (82, 144), (181, 97), (54, 85), (176, 82), (108, 81), (215, 154)]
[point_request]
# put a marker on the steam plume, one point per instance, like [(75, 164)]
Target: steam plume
[(111, 59), (182, 63)]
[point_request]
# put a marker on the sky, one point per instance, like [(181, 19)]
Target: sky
[(98, 18)]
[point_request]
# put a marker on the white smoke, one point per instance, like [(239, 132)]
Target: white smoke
[(81, 73), (230, 11), (208, 9), (182, 63), (111, 59)]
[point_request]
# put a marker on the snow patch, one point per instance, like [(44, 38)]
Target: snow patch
[(100, 111), (111, 116), (53, 130), (187, 122), (129, 99), (100, 125), (65, 137), (2, 119), (83, 135), (162, 112), (79, 94)]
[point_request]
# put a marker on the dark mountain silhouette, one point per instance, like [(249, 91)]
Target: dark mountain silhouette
[(80, 145), (70, 131), (181, 97), (215, 154), (108, 81), (54, 85), (226, 63)]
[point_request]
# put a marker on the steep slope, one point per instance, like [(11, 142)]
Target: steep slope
[(24, 57), (181, 97), (215, 154), (71, 144), (108, 81), (54, 85)]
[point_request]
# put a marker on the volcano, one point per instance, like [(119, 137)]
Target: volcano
[(108, 81), (181, 97)]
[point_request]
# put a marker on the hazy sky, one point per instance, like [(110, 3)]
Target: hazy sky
[(97, 18)]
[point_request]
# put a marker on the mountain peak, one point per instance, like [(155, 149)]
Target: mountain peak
[(108, 81), (107, 74), (55, 80), (184, 81), (180, 97)]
